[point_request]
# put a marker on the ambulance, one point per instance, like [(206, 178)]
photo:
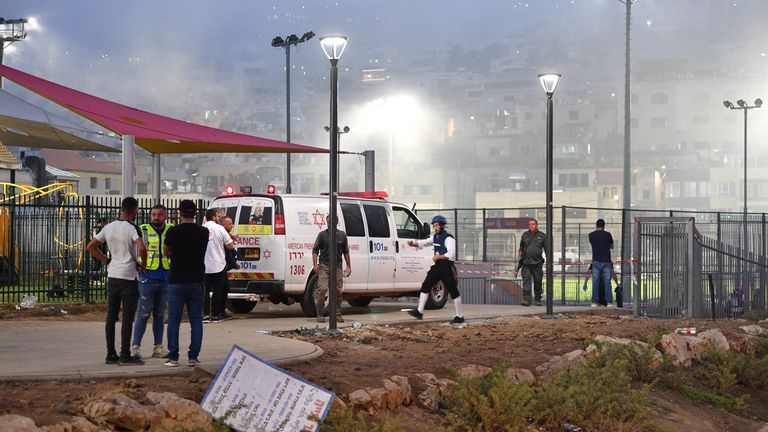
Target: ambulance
[(276, 233)]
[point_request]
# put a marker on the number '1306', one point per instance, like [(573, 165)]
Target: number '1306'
[(297, 269)]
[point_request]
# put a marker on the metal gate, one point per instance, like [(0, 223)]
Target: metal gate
[(666, 254)]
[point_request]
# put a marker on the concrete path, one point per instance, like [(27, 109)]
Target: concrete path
[(46, 349)]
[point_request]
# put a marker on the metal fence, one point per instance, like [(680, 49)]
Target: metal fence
[(488, 239), (43, 241)]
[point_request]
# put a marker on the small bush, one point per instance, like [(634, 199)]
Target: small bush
[(353, 420)]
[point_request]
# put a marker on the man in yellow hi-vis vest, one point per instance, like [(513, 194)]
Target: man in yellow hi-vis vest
[(153, 283)]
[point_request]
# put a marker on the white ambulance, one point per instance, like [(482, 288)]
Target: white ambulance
[(277, 233)]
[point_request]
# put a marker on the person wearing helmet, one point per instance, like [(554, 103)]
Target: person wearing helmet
[(442, 270)]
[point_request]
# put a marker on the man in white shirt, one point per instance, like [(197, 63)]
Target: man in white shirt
[(123, 239), (443, 269), (215, 262)]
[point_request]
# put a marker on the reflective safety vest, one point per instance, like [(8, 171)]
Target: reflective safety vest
[(155, 244)]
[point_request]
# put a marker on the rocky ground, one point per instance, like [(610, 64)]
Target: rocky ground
[(363, 358)]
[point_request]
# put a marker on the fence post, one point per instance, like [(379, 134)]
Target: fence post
[(626, 242), (11, 246), (86, 255), (762, 260), (485, 239), (562, 256), (638, 250), (720, 256), (456, 231)]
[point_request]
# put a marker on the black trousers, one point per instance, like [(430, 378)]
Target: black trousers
[(125, 292), (532, 275), (215, 283), (445, 272)]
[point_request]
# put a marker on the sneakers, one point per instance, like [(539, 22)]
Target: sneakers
[(416, 314), (223, 317), (159, 352), (594, 305), (320, 319), (136, 351), (458, 320), (525, 303), (610, 305), (538, 303), (112, 359), (171, 363), (192, 362), (131, 361), (339, 319)]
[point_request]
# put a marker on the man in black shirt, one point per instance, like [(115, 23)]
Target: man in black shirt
[(532, 244), (186, 244), (602, 243), (322, 250)]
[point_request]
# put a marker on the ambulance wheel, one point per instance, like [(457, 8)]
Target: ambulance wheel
[(438, 297), (240, 306), (360, 301), (308, 299)]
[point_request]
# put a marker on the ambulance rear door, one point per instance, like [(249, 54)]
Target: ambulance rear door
[(354, 227), (257, 242)]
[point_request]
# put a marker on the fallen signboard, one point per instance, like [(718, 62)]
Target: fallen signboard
[(250, 395)]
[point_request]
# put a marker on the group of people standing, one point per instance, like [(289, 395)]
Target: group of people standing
[(158, 266)]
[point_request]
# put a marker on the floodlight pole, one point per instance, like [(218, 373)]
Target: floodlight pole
[(156, 173), (627, 192), (13, 35), (278, 42)]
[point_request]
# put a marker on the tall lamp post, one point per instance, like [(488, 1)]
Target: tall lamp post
[(549, 82), (11, 30), (279, 42), (333, 47), (744, 107)]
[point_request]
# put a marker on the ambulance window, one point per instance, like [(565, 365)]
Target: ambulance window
[(255, 215), (378, 223), (353, 220), (406, 223)]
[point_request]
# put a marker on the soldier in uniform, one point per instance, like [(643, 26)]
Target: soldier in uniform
[(532, 244)]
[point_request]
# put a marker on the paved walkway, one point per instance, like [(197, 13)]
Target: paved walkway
[(63, 349)]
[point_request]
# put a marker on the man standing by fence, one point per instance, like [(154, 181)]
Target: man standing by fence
[(215, 267), (532, 244), (153, 283), (123, 239), (602, 243)]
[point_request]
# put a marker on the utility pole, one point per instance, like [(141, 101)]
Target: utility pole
[(627, 193)]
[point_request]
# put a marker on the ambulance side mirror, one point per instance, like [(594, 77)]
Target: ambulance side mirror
[(425, 231)]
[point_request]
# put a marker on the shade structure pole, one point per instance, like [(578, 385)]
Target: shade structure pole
[(157, 168), (129, 150)]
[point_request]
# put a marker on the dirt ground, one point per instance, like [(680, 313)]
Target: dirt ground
[(363, 357)]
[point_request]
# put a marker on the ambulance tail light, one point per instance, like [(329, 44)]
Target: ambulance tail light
[(271, 189), (279, 224), (229, 190)]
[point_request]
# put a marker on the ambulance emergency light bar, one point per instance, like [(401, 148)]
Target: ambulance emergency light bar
[(382, 195)]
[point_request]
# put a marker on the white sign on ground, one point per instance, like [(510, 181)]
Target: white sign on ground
[(252, 395)]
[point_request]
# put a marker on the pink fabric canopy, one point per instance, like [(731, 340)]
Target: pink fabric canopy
[(155, 133)]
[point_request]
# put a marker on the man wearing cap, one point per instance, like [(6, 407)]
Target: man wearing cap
[(186, 244), (442, 270), (321, 257)]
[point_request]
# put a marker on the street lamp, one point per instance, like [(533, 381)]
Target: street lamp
[(549, 83), (11, 31), (333, 47), (279, 42), (744, 107)]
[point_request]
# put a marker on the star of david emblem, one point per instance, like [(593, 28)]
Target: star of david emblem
[(267, 254), (319, 219)]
